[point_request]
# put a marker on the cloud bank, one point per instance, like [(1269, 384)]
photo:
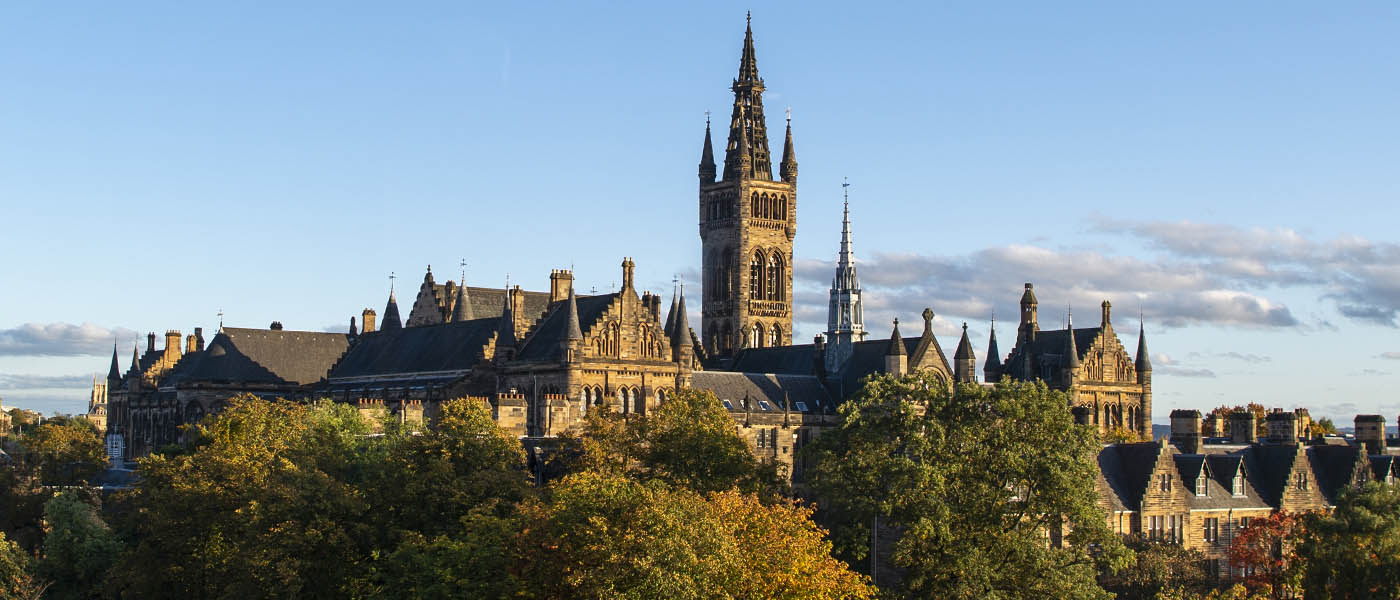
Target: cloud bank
[(61, 339)]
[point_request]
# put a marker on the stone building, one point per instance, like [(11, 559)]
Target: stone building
[(1200, 491), (97, 404), (1107, 387)]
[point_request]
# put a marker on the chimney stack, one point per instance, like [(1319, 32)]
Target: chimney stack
[(1370, 432), (367, 321), (199, 339), (1282, 427), (1243, 427), (1186, 430)]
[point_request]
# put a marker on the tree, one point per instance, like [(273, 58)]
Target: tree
[(1354, 552), (1260, 425), (602, 535), (688, 441), (990, 491), (1234, 592), (1157, 568), (1324, 426), (15, 579), (1264, 551), (64, 451), (79, 547)]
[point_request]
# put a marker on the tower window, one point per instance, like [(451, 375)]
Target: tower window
[(775, 336), (756, 276)]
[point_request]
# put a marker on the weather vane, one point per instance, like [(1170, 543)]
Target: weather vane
[(463, 264), (392, 277)]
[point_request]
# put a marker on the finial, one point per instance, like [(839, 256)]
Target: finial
[(896, 322), (221, 319), (748, 17), (392, 277), (430, 268), (463, 264), (789, 115), (707, 119)]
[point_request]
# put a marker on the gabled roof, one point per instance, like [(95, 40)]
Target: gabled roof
[(543, 342), (867, 357), (238, 355), (488, 302), (787, 360), (1128, 468), (1383, 465), (1267, 468), (1337, 467), (445, 347)]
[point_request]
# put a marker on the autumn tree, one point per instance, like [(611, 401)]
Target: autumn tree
[(602, 535), (16, 582), (1264, 552), (990, 491), (63, 451), (1354, 552), (687, 441)]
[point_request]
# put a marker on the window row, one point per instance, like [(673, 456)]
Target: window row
[(767, 276), (768, 206)]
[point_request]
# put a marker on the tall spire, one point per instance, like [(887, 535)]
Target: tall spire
[(1142, 363), (670, 327), (746, 155), (115, 372), (1071, 352), (505, 335), (680, 340), (135, 360), (707, 156), (788, 170)]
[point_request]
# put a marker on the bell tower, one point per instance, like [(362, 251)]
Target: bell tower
[(747, 223)]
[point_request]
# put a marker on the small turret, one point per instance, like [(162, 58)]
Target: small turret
[(1071, 352), (707, 157), (115, 372), (462, 309), (670, 327), (991, 370), (392, 322), (505, 335), (135, 361), (1142, 364), (964, 360), (573, 334), (896, 357), (682, 350), (1029, 320), (788, 169)]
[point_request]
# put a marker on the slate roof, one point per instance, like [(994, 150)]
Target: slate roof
[(1381, 465), (488, 302), (867, 357), (787, 360), (444, 347), (262, 356), (543, 342), (1049, 346), (1267, 469), (1128, 468), (1335, 467), (771, 388)]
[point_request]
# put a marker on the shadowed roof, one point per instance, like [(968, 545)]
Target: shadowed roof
[(543, 342), (263, 356), (444, 347)]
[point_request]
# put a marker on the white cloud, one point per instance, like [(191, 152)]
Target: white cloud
[(61, 339)]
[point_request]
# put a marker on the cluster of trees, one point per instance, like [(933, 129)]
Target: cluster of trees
[(986, 493)]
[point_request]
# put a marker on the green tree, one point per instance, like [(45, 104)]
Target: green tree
[(64, 451), (973, 483), (1234, 592), (1324, 426), (1354, 552), (606, 536), (79, 547), (1157, 567)]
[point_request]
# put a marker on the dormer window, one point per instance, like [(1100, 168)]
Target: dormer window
[(763, 404), (1238, 485), (1201, 485)]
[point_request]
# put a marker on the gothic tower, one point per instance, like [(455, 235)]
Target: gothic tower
[(747, 222), (845, 315)]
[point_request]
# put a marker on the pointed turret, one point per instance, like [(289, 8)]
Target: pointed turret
[(707, 156), (896, 357), (670, 327), (788, 170), (505, 335), (115, 372), (991, 370), (572, 331), (135, 360), (1071, 352), (462, 306), (1030, 324), (392, 322), (681, 344), (964, 360), (746, 155), (1142, 364)]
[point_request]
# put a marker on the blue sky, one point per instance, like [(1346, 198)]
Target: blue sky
[(1228, 168)]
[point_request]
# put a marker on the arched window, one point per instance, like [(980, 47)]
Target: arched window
[(774, 286), (726, 269), (623, 398), (754, 203), (767, 206), (775, 336), (757, 335), (782, 207), (639, 401), (756, 276)]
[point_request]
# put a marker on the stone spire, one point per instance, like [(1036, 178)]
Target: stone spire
[(707, 156), (114, 373), (135, 360), (1071, 352), (1142, 364), (964, 350), (964, 360), (788, 169), (746, 155), (670, 327), (991, 370), (392, 322), (572, 331), (680, 340), (896, 357), (462, 311), (896, 346), (845, 314), (505, 335)]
